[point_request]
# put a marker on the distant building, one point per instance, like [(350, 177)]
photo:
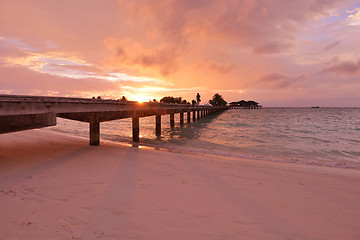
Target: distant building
[(245, 104)]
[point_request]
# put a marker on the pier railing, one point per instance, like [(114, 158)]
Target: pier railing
[(18, 113)]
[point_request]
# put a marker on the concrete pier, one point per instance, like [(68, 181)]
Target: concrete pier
[(20, 122), (158, 125), (95, 134), (18, 113), (135, 128), (181, 118), (172, 120)]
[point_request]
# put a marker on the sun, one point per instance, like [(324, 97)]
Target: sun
[(142, 98), (139, 96)]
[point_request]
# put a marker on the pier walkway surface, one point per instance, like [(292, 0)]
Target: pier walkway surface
[(18, 113)]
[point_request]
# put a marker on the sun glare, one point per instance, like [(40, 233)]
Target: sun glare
[(141, 98)]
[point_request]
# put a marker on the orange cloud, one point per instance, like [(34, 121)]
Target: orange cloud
[(222, 68), (129, 52), (272, 47)]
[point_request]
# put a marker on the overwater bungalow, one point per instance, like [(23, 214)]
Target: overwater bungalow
[(245, 104)]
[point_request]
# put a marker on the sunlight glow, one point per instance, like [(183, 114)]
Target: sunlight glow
[(140, 98), (72, 67), (354, 17)]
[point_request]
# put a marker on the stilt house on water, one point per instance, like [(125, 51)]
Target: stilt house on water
[(245, 104)]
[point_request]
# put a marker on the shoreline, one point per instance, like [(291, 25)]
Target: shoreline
[(221, 154), (55, 186)]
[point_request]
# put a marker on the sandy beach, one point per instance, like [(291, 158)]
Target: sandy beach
[(55, 186)]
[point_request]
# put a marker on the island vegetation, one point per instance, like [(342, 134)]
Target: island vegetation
[(217, 100), (177, 100)]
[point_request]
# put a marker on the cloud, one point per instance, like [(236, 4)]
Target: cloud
[(25, 81), (222, 68), (272, 47), (354, 18), (343, 68), (6, 42), (246, 20), (328, 47), (280, 81), (177, 33), (130, 52)]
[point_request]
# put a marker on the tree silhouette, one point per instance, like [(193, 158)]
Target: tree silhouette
[(217, 100), (198, 99), (170, 99)]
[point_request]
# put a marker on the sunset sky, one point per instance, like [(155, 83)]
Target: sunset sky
[(276, 52)]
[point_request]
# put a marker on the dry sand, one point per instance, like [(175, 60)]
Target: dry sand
[(54, 186)]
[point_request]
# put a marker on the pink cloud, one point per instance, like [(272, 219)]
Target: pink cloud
[(328, 47), (248, 21), (280, 81), (272, 48), (343, 67)]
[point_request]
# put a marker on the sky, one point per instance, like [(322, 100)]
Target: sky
[(276, 52)]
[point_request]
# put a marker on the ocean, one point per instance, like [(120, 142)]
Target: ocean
[(314, 136)]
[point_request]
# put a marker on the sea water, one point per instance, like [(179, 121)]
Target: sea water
[(318, 136)]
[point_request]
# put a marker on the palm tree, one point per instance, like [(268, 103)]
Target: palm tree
[(198, 100)]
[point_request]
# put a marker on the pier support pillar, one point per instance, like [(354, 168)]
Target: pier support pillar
[(194, 116), (188, 117), (135, 129), (95, 133), (172, 120), (198, 114), (158, 125), (181, 118)]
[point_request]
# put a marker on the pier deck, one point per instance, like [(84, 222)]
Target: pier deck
[(18, 113)]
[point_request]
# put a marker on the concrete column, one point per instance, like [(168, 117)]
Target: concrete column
[(198, 114), (136, 130), (158, 125), (95, 134), (172, 120), (194, 115), (188, 117), (181, 118)]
